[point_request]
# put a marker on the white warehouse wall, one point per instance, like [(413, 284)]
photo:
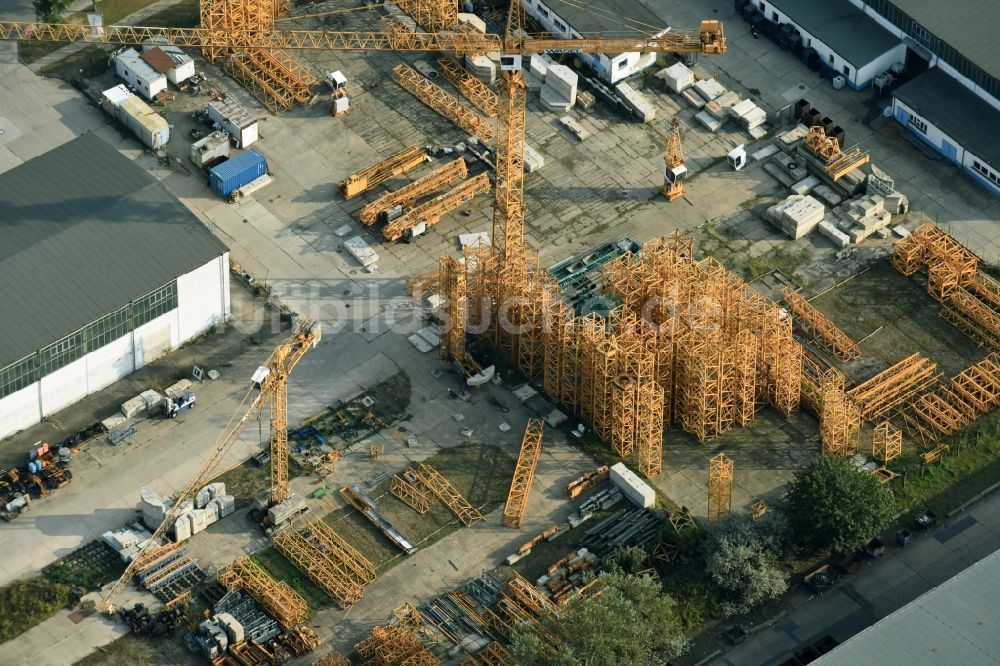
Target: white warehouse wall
[(64, 386), (20, 410), (202, 300), (856, 78), (944, 144), (935, 60)]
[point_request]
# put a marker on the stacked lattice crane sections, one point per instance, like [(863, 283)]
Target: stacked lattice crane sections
[(691, 344)]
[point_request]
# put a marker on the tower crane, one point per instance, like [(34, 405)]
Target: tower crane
[(508, 215), (674, 170), (270, 386)]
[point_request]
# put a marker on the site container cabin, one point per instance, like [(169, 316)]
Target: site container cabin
[(234, 173)]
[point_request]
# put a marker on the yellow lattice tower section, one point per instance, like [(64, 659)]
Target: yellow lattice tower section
[(887, 442), (408, 195), (819, 325), (472, 88), (453, 285), (744, 355), (673, 163), (559, 367), (840, 420), (443, 103), (430, 212), (282, 602), (624, 414), (720, 487), (410, 494), (524, 473), (448, 494), (649, 429)]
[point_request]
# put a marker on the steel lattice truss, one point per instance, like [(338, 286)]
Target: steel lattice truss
[(894, 386), (952, 406), (320, 567), (524, 473), (887, 442), (819, 326), (273, 77), (409, 194), (410, 494), (280, 601), (332, 659), (474, 90), (720, 487), (448, 494), (840, 419), (394, 645), (373, 176), (442, 102), (431, 212), (434, 15)]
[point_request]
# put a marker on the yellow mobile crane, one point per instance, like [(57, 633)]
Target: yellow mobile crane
[(674, 170), (270, 386)]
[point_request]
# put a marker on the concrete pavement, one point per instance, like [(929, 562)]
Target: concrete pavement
[(898, 577)]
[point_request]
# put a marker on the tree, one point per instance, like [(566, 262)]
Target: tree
[(833, 505), (51, 11), (741, 558), (627, 559), (624, 619)]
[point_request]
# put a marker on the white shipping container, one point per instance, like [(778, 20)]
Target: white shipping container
[(151, 128), (232, 117), (633, 488)]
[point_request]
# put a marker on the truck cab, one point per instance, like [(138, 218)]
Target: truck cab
[(184, 402)]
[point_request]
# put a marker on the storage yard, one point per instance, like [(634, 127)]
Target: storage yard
[(491, 316)]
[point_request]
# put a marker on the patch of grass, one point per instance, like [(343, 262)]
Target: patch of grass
[(786, 261), (281, 569), (26, 602), (85, 63), (354, 420), (480, 472), (972, 466), (247, 480), (131, 649), (181, 15)]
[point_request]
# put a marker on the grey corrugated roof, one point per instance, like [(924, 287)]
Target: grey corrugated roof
[(612, 18), (954, 623), (84, 231), (969, 26), (956, 111), (851, 33)]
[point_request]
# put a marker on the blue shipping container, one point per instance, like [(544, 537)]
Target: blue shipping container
[(236, 172)]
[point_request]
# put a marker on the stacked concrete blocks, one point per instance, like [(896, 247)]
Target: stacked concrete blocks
[(559, 91), (797, 215)]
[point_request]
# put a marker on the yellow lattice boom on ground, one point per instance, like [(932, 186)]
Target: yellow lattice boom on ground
[(819, 325), (472, 88), (282, 602), (524, 473), (373, 176), (445, 104), (407, 195), (410, 494), (720, 487), (894, 386), (431, 212), (319, 567), (448, 494)]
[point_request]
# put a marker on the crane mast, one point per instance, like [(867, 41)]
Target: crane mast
[(274, 381), (674, 170)]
